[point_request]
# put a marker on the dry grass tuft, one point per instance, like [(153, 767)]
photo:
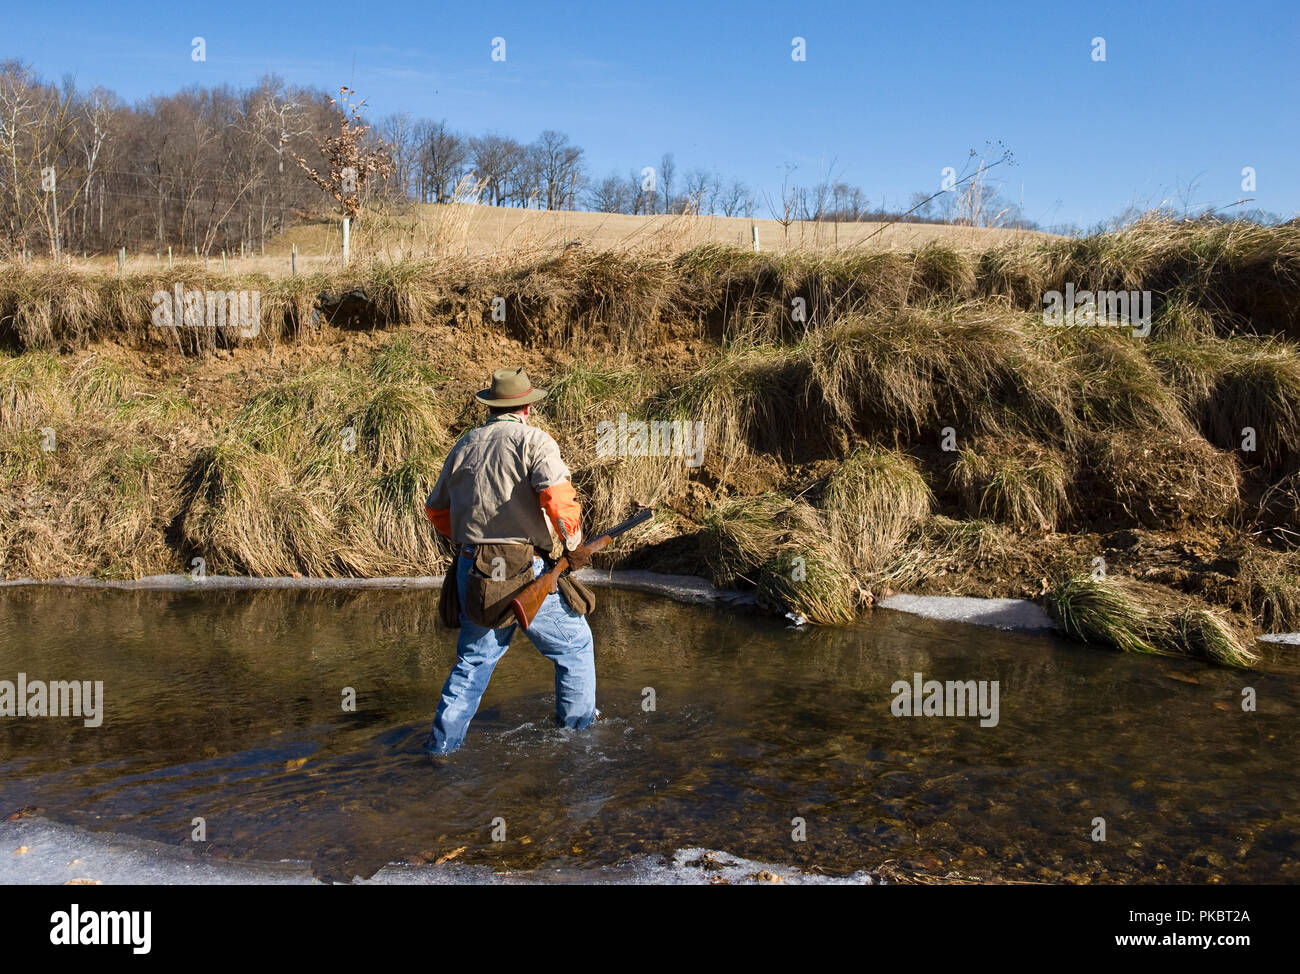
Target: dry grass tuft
[(780, 548), (1014, 481), (874, 502), (1139, 618), (1160, 479)]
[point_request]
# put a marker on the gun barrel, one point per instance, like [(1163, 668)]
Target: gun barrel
[(639, 517)]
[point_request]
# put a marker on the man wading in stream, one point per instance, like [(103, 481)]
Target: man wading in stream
[(498, 485)]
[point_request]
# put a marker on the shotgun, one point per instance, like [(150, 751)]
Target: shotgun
[(529, 602)]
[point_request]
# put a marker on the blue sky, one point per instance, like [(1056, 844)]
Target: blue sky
[(890, 93)]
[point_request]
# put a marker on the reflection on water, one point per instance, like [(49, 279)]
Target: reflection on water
[(227, 706)]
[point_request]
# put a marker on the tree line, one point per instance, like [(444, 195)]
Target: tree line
[(205, 168), (213, 169)]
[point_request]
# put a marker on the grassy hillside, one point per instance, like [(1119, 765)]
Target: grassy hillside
[(454, 230), (919, 427)]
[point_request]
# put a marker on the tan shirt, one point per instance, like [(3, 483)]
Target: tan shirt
[(490, 481)]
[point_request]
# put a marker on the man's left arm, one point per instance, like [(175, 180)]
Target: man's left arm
[(437, 507)]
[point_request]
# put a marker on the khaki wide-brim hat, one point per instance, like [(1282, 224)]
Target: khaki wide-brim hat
[(510, 387)]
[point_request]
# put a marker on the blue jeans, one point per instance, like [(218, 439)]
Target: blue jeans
[(559, 633)]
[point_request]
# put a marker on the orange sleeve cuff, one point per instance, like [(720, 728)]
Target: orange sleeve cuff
[(441, 519), (560, 502)]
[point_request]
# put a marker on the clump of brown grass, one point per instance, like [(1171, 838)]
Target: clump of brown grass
[(903, 374), (806, 575), (1119, 386), (31, 391), (1135, 617), (582, 411), (612, 488), (87, 467), (781, 548), (1240, 384), (1238, 271), (324, 474), (948, 544), (1278, 509), (1269, 582), (1161, 479), (750, 399), (740, 535), (1016, 481), (874, 501)]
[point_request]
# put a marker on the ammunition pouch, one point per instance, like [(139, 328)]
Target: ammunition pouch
[(580, 598), (499, 573), (449, 597)]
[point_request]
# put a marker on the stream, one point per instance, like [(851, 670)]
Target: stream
[(720, 730)]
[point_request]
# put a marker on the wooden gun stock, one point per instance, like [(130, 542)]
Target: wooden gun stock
[(529, 602)]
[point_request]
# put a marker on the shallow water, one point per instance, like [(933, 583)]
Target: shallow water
[(227, 706)]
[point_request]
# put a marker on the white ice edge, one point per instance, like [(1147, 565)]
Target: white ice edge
[(685, 588), (1019, 615), (1016, 615)]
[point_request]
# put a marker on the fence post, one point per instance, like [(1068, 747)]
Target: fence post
[(293, 261)]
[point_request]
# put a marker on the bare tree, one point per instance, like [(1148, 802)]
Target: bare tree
[(702, 189), (847, 203), (787, 210), (494, 158), (191, 168), (643, 200), (37, 139), (736, 199), (611, 195), (524, 175), (559, 164), (815, 202), (274, 118), (667, 169), (96, 118), (399, 135), (443, 158), (352, 162), (18, 116)]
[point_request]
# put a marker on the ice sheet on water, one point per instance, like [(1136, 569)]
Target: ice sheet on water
[(1015, 614), (59, 853), (55, 854)]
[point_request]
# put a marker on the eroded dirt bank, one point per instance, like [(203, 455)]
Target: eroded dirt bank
[(915, 427)]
